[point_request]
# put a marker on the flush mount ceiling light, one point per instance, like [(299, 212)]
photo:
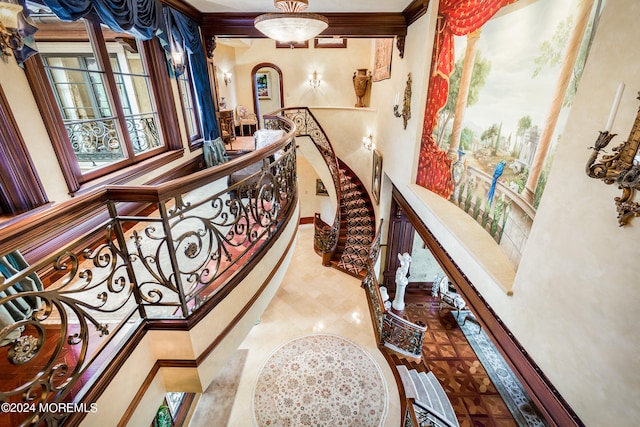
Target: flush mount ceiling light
[(292, 25)]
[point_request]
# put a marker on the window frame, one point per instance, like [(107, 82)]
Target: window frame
[(162, 98), (195, 140), (20, 187)]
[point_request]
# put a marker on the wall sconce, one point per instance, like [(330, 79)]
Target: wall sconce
[(177, 58), (406, 103), (622, 167), (367, 143), (227, 79), (314, 80), (9, 38)]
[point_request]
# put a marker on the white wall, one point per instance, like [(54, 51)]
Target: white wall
[(576, 287), (224, 57), (333, 103)]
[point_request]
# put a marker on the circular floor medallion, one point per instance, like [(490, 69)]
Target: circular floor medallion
[(320, 381)]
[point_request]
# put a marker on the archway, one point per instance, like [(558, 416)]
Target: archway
[(268, 92)]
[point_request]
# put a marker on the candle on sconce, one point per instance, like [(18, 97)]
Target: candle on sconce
[(614, 108), (397, 100)]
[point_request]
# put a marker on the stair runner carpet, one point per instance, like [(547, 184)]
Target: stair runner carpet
[(358, 228)]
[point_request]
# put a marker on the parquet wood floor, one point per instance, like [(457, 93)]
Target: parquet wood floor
[(447, 353)]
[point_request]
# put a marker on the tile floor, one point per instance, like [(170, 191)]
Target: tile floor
[(312, 299)]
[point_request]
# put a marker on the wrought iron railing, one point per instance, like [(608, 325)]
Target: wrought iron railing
[(392, 330), (325, 235), (376, 245), (410, 419), (97, 140), (427, 418), (508, 218), (402, 336), (145, 253)]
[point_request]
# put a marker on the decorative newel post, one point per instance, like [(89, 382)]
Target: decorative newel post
[(401, 281), (361, 82)]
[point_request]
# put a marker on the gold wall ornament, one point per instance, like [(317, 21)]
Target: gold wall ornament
[(406, 103), (622, 167)]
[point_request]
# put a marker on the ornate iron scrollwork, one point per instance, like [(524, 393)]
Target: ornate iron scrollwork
[(622, 167), (23, 349)]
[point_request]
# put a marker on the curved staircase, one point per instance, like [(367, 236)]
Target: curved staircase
[(357, 228), (345, 244)]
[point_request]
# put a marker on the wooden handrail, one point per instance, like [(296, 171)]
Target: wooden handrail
[(26, 228)]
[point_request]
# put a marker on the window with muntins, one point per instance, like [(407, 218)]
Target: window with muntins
[(102, 85), (189, 106)]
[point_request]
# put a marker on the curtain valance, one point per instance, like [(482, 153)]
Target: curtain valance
[(140, 18)]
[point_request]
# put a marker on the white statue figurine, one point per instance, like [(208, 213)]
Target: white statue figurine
[(401, 281)]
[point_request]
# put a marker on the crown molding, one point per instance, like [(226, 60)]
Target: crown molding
[(415, 10), (340, 24), (185, 8)]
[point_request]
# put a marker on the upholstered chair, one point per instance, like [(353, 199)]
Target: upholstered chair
[(244, 117)]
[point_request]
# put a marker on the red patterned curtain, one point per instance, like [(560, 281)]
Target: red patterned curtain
[(459, 18)]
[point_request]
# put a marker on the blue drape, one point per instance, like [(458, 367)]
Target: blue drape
[(23, 46), (140, 18), (184, 32)]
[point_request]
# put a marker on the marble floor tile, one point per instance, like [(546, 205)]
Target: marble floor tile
[(311, 299)]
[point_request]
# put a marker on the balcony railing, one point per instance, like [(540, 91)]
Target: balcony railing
[(392, 331), (96, 140), (507, 219), (137, 255)]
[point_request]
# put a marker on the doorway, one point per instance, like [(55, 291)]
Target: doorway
[(268, 92)]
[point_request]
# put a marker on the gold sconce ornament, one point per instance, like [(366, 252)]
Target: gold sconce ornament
[(9, 37), (406, 103), (622, 167), (227, 79)]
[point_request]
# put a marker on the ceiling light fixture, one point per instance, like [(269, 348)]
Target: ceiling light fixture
[(292, 25)]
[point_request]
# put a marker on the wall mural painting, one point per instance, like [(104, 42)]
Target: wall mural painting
[(516, 74), (507, 108), (455, 17)]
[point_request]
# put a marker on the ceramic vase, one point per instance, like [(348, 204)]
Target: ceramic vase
[(361, 80)]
